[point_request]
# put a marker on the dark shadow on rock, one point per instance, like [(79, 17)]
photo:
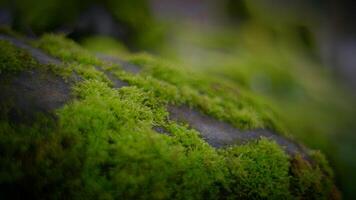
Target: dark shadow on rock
[(28, 93)]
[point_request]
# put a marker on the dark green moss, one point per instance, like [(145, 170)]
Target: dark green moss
[(312, 181), (13, 59), (67, 50)]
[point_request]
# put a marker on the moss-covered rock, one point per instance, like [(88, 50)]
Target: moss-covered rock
[(103, 143)]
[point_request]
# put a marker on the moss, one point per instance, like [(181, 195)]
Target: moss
[(214, 96), (104, 45), (313, 182), (103, 144), (262, 166), (118, 132), (13, 59), (65, 49), (106, 135), (31, 159)]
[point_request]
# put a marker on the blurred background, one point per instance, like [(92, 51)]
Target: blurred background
[(298, 55)]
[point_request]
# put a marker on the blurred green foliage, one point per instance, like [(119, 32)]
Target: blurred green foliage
[(40, 16)]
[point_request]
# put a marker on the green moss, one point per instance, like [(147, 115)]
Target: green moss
[(13, 59), (117, 127), (103, 145), (262, 166), (65, 49), (104, 45), (214, 96), (311, 181)]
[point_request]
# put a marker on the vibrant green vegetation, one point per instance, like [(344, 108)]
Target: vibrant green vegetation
[(262, 166), (214, 96), (103, 145)]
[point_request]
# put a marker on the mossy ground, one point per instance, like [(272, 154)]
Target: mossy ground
[(102, 144)]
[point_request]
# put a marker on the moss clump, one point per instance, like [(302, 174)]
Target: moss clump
[(65, 49), (214, 96), (103, 146), (312, 181), (259, 171), (108, 147), (13, 59)]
